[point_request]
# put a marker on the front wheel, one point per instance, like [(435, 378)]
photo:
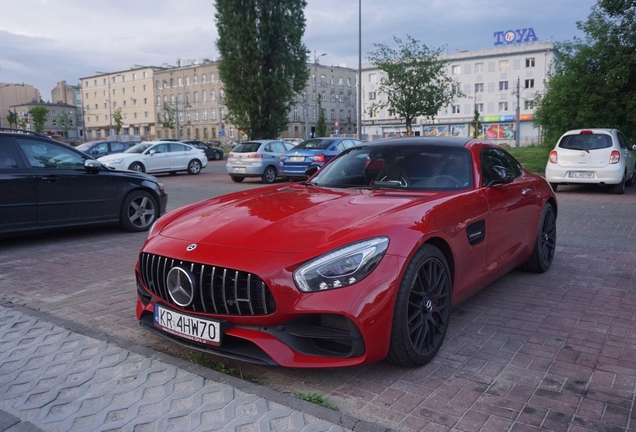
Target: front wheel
[(422, 309), (269, 175), (632, 180), (545, 243), (236, 179), (194, 166), (136, 166), (139, 211), (218, 155)]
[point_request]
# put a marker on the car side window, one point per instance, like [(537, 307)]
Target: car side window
[(490, 158), (116, 146), (160, 148), (178, 148), (8, 158), (100, 148), (622, 140), (43, 154), (278, 147), (268, 148)]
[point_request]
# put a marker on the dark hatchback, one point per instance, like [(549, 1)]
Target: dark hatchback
[(98, 149), (46, 184), (212, 153)]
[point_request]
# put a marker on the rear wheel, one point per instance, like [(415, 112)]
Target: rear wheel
[(545, 243), (632, 180), (194, 166), (619, 188), (218, 155), (269, 175), (236, 179), (422, 309), (139, 211)]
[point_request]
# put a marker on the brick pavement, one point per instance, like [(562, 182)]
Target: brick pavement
[(555, 351)]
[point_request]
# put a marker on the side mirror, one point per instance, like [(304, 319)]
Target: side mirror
[(151, 152), (91, 165), (311, 170), (501, 175), (634, 147)]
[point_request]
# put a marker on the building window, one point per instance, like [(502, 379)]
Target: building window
[(205, 131), (324, 95), (213, 114), (529, 83), (295, 113), (196, 115), (333, 114), (172, 82), (348, 82), (221, 114), (456, 70), (530, 62), (195, 79), (205, 117), (456, 88), (187, 81), (221, 95), (196, 97), (212, 95), (331, 80), (333, 97), (528, 104), (211, 77), (456, 109), (371, 95), (479, 67), (372, 77), (479, 87), (503, 106), (323, 81), (503, 85), (479, 107), (504, 65)]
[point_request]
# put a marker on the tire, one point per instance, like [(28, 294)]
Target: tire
[(545, 243), (619, 189), (236, 179), (554, 186), (217, 155), (136, 166), (172, 173), (632, 180), (194, 166), (139, 211), (269, 175), (422, 309)]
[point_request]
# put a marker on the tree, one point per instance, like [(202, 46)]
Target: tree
[(321, 126), (39, 115), (594, 80), (414, 83), (475, 125), (23, 122), (64, 121), (263, 62), (118, 119), (168, 117), (12, 118)]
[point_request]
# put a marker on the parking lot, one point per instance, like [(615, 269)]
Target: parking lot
[(555, 351)]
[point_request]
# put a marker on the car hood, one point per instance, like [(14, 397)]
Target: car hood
[(293, 219)]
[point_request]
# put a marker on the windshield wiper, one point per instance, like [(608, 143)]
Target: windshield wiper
[(576, 148)]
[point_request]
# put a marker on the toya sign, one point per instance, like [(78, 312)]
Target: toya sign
[(515, 36)]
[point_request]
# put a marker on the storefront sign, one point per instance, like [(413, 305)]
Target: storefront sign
[(387, 122), (515, 36)]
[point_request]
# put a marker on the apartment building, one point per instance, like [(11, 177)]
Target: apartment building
[(499, 83), (12, 95), (335, 87), (128, 92), (61, 119)]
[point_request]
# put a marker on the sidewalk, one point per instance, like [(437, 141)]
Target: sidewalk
[(53, 378)]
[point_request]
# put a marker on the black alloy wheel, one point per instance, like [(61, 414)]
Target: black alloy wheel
[(422, 309)]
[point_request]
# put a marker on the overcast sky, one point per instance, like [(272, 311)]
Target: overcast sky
[(46, 41)]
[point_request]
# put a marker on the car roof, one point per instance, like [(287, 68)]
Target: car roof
[(420, 140), (593, 130)]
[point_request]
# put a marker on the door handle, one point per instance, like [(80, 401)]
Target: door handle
[(50, 178), (525, 192)]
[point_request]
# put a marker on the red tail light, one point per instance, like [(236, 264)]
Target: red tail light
[(282, 159), (255, 156), (615, 157), (554, 157), (318, 158)]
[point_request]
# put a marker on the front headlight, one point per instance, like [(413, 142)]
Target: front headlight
[(115, 161), (342, 267)]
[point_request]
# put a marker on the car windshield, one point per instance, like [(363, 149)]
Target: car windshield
[(586, 141), (405, 167), (138, 148), (247, 147), (314, 144)]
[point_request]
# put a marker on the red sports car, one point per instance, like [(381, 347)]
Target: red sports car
[(361, 262)]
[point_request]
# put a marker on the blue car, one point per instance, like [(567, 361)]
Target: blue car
[(315, 151), (98, 149)]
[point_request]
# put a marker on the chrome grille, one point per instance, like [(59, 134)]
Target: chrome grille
[(220, 290)]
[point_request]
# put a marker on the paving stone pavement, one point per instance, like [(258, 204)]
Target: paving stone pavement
[(54, 379)]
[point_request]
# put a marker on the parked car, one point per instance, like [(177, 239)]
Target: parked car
[(361, 262), (212, 153), (45, 184), (102, 148), (592, 156), (315, 151), (258, 158), (158, 157), (294, 141)]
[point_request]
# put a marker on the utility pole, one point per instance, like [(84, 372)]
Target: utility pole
[(316, 86), (359, 120), (517, 115)]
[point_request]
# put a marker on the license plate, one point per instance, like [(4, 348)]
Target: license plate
[(188, 327), (581, 174), (297, 159), (239, 169)]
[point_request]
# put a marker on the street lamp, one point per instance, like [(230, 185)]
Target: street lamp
[(316, 86), (359, 119)]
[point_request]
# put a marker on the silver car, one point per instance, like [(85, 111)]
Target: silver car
[(257, 158)]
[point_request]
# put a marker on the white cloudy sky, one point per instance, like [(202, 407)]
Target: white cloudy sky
[(46, 41)]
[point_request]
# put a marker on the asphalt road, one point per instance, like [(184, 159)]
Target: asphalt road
[(555, 351)]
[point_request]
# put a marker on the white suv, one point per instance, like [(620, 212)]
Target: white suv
[(592, 156)]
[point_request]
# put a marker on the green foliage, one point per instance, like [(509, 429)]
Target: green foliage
[(12, 118), (415, 83), (476, 124), (594, 81), (321, 126), (316, 398), (168, 117), (118, 120), (532, 158), (64, 121), (23, 123), (207, 361), (263, 62), (38, 115)]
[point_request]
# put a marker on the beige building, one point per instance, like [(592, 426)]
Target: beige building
[(129, 93), (65, 94), (13, 95), (189, 103)]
